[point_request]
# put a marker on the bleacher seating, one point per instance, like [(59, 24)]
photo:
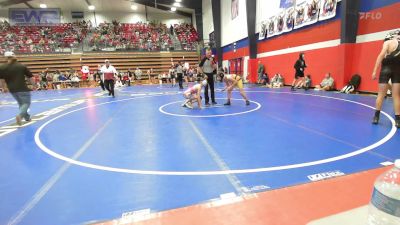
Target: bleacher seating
[(28, 41), (187, 35), (117, 36), (141, 36), (41, 39)]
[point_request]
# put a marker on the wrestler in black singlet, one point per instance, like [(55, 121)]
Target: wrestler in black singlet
[(391, 67)]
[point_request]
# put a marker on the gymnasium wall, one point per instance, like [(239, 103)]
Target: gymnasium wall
[(208, 25), (321, 43), (377, 17), (279, 53), (265, 10)]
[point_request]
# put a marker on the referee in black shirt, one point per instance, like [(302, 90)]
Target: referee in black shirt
[(14, 73), (208, 66)]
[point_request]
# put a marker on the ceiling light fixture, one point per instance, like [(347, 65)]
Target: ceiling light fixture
[(91, 7), (43, 6), (134, 7), (173, 9), (177, 4)]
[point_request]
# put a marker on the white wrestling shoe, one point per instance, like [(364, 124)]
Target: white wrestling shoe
[(184, 104), (189, 106)]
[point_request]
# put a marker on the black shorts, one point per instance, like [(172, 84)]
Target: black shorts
[(298, 75), (390, 70)]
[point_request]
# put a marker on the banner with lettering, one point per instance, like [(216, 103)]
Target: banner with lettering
[(280, 22), (288, 19), (271, 26), (263, 30), (327, 9), (313, 7), (306, 12)]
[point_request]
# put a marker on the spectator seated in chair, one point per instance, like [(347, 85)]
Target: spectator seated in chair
[(326, 84), (276, 81), (264, 79)]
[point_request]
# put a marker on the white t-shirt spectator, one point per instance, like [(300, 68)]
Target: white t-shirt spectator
[(75, 78), (138, 73), (327, 82)]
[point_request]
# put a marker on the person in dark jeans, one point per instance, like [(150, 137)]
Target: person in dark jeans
[(207, 66), (299, 66), (13, 74)]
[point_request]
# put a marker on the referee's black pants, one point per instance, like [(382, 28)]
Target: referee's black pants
[(180, 80), (210, 84)]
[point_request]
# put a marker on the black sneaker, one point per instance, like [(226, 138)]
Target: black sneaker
[(227, 103), (375, 120), (214, 103), (247, 102), (292, 88), (398, 123), (28, 118)]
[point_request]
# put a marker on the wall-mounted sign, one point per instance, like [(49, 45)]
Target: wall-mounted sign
[(34, 16)]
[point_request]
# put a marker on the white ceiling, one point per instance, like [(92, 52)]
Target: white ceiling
[(101, 6)]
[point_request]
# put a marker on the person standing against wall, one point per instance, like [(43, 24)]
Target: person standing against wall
[(260, 72), (12, 79), (207, 66), (299, 66)]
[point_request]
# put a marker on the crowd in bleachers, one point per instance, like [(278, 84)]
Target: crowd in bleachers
[(41, 39), (143, 36), (137, 36), (115, 35), (187, 35)]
